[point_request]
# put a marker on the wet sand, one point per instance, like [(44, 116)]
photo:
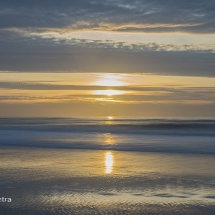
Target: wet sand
[(59, 181)]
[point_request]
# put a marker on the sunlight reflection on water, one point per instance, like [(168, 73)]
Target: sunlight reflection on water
[(108, 162), (105, 182)]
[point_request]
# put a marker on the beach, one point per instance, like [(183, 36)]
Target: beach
[(66, 179), (107, 107)]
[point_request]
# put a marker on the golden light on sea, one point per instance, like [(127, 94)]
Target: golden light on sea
[(108, 162), (109, 138)]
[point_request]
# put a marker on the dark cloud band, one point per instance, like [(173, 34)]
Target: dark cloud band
[(194, 16)]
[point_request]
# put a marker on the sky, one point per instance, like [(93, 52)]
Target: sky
[(123, 58)]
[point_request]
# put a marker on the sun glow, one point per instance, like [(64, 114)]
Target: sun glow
[(108, 92), (109, 80)]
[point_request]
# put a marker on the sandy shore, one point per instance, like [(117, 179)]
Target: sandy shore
[(58, 181)]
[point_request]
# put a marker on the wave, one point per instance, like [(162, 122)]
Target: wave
[(135, 126), (143, 135)]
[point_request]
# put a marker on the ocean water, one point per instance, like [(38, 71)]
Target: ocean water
[(145, 135), (107, 166)]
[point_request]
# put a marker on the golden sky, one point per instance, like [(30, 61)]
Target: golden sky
[(107, 58), (106, 94)]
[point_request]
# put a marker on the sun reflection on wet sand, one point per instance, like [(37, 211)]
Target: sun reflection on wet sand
[(108, 162), (134, 182)]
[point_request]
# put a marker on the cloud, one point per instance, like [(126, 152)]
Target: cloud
[(30, 85), (129, 95), (33, 53), (195, 16), (32, 36), (58, 59), (57, 38)]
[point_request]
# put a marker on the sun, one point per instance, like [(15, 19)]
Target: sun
[(109, 80)]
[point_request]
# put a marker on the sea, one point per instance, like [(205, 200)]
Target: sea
[(107, 166)]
